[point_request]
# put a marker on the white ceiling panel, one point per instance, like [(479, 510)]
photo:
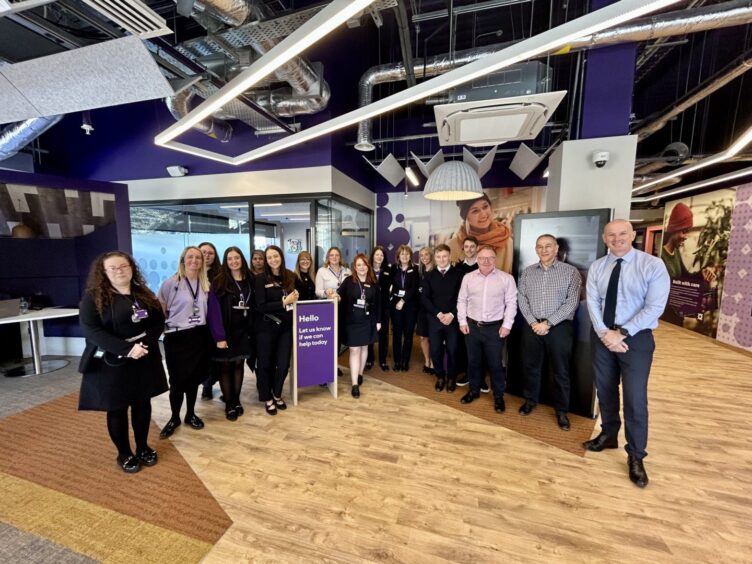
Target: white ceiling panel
[(14, 106), (115, 72)]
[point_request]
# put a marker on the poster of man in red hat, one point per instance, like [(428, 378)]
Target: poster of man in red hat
[(696, 234)]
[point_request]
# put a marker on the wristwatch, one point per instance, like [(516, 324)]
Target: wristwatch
[(624, 332)]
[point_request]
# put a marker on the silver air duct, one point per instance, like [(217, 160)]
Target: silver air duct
[(715, 16), (179, 106), (16, 136), (231, 12)]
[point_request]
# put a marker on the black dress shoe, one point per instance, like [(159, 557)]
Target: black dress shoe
[(207, 393), (129, 464), (280, 403), (384, 367), (600, 442), (499, 405), (469, 397), (360, 380), (239, 409), (271, 409), (439, 384), (527, 407), (231, 415), (484, 388), (169, 429), (147, 457), (451, 385), (405, 366), (369, 365), (562, 420), (463, 381), (432, 371), (194, 421), (397, 367), (355, 391), (637, 472), (426, 369)]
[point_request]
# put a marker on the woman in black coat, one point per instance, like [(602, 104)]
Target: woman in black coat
[(383, 272), (121, 365), (304, 283)]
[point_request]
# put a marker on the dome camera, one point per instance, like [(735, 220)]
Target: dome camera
[(600, 158)]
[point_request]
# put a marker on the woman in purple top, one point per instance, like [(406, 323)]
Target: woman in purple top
[(187, 341), (230, 316)]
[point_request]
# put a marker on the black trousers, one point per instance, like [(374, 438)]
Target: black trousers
[(383, 341), (632, 369), (403, 327), (274, 346), (444, 341), (556, 346), (485, 345)]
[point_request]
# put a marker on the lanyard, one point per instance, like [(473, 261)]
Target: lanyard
[(362, 291), (339, 276), (243, 299), (194, 293)]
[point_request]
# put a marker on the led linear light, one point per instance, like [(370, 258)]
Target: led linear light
[(733, 150), (410, 173), (325, 21), (548, 41), (695, 186)]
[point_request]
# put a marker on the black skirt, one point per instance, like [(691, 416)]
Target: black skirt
[(360, 330), (187, 355)]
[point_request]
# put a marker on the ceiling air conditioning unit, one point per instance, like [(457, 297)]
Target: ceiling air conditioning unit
[(492, 122)]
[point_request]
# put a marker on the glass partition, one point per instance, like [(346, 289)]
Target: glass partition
[(344, 226)]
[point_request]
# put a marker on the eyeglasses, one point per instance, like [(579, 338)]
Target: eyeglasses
[(486, 259), (114, 269)]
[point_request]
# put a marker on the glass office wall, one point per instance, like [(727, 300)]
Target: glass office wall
[(159, 234), (341, 225)]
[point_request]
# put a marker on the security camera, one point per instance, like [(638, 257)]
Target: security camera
[(600, 158), (177, 170)]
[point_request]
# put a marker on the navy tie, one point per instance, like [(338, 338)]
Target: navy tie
[(609, 311)]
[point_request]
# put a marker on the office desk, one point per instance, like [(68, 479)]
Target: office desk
[(35, 318)]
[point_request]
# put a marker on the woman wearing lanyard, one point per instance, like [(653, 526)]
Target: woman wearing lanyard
[(230, 317), (404, 307), (304, 284), (425, 265), (213, 266), (275, 295), (382, 271), (331, 275), (121, 365), (361, 309), (187, 340)]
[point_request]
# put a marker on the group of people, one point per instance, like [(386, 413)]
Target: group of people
[(217, 316)]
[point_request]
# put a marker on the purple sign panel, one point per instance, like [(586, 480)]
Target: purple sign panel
[(315, 342)]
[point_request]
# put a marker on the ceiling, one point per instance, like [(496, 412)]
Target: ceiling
[(667, 70)]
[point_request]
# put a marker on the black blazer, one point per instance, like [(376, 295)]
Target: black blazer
[(306, 287), (385, 286), (350, 292), (440, 292), (269, 294), (411, 286)]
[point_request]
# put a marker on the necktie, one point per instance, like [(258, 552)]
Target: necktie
[(443, 271), (609, 311)]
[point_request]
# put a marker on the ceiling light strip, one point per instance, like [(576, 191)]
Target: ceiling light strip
[(696, 186), (332, 16), (743, 140), (540, 44)]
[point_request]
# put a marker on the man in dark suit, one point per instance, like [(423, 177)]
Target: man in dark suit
[(441, 286)]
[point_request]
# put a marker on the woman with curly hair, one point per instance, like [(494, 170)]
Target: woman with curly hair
[(121, 365), (187, 340)]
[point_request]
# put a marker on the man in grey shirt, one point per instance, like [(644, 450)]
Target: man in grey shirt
[(548, 295)]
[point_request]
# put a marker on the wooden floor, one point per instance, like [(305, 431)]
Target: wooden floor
[(394, 477)]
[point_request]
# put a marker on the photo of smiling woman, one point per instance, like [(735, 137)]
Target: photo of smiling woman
[(121, 365), (477, 219)]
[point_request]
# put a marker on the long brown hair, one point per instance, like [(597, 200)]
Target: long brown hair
[(304, 254), (370, 276), (223, 283), (286, 277), (100, 287)]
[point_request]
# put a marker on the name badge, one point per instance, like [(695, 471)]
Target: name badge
[(366, 285), (268, 285), (361, 302), (401, 294), (409, 270), (138, 315), (194, 319), (241, 305)]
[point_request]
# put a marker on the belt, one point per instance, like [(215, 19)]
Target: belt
[(485, 323), (176, 329)]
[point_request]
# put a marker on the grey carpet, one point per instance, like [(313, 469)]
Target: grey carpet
[(21, 547), (18, 394)]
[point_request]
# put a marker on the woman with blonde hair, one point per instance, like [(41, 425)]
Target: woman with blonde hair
[(403, 306), (426, 264), (304, 284), (187, 341), (331, 275)]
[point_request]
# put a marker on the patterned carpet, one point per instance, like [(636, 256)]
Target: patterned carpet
[(59, 480)]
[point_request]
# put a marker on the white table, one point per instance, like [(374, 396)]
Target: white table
[(35, 318)]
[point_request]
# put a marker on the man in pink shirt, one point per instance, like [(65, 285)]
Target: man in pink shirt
[(486, 307)]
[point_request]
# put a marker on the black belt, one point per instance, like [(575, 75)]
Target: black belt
[(485, 323)]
